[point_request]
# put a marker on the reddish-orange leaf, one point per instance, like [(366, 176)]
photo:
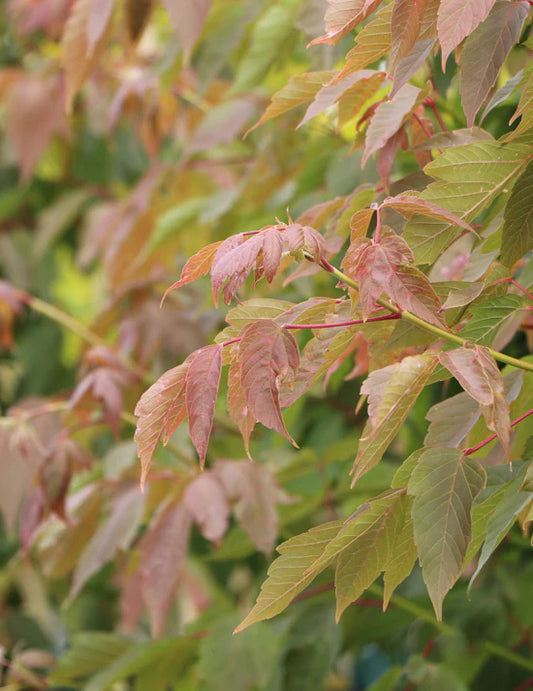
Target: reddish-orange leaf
[(203, 379), (457, 19), (160, 410), (408, 204), (268, 355), (300, 237), (197, 265), (344, 15), (477, 372), (406, 24)]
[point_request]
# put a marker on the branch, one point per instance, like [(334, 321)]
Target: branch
[(492, 437)]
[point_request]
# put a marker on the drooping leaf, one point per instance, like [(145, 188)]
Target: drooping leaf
[(206, 501), (237, 406), (160, 410), (403, 555), (354, 99), (162, 552), (476, 370), (392, 393), (99, 15), (451, 420), (371, 43), (468, 180), (188, 18), (362, 561), (485, 52), (268, 355), (517, 237), (300, 89), (444, 484), (411, 63), (457, 19), (409, 205), (406, 22), (344, 15), (388, 119), (287, 574), (197, 265), (202, 382)]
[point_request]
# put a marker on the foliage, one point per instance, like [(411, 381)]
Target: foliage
[(362, 210)]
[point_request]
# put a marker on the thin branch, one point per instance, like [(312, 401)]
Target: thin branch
[(431, 103), (492, 437), (516, 285)]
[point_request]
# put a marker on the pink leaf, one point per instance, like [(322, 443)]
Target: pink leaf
[(202, 382), (406, 24), (477, 372), (160, 409), (162, 553), (188, 18), (99, 16), (408, 205), (237, 406), (206, 501), (300, 237), (268, 355), (344, 15), (457, 19)]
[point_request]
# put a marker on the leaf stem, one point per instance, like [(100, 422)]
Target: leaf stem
[(492, 437), (431, 103), (437, 331)]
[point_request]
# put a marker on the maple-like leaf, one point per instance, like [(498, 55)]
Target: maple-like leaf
[(477, 372), (388, 119), (406, 22), (188, 18), (160, 410), (344, 15), (385, 267), (208, 506), (444, 484), (288, 574), (457, 19), (202, 382), (162, 552), (197, 265), (485, 52), (268, 356), (392, 391), (238, 407)]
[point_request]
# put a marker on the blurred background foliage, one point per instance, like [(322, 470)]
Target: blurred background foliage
[(98, 211)]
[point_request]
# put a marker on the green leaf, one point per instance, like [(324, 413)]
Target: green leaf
[(365, 547), (468, 178), (403, 555), (89, 652), (489, 317), (238, 663), (444, 484), (287, 575), (392, 392), (517, 237), (372, 42)]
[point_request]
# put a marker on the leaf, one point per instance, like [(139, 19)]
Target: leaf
[(237, 406), (489, 317), (78, 61), (116, 533), (160, 410), (206, 501), (406, 23), (361, 562), (98, 19), (388, 119), (411, 63), (287, 574), (409, 205), (457, 19), (241, 663), (162, 552), (221, 125), (523, 110), (403, 555), (197, 265), (503, 93), (354, 99), (201, 385), (89, 652), (517, 236), (392, 393), (300, 89), (137, 13), (344, 15), (371, 43), (383, 267), (268, 355), (511, 503), (476, 370), (188, 18), (444, 484), (468, 179), (451, 420), (485, 52)]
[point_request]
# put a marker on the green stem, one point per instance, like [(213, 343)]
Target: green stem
[(425, 615), (437, 331)]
